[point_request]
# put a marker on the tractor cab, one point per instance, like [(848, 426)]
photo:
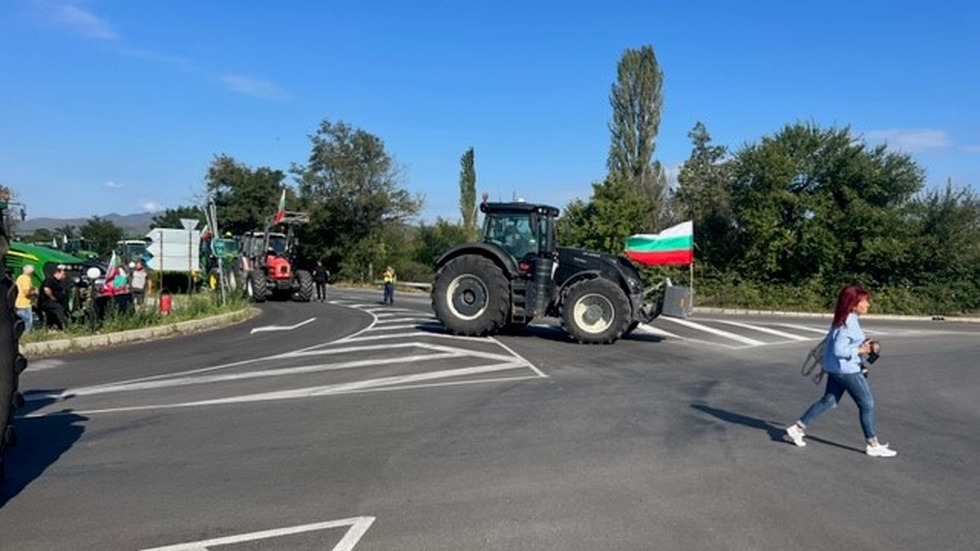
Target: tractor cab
[(524, 230)]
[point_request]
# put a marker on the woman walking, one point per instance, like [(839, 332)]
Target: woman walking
[(843, 351)]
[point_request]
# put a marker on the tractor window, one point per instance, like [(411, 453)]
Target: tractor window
[(278, 244), (513, 232)]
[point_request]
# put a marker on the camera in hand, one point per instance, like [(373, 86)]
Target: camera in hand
[(875, 352)]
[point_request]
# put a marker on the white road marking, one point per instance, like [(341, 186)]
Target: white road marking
[(280, 327), (804, 328), (382, 383), (358, 526), (783, 334), (713, 331), (651, 330)]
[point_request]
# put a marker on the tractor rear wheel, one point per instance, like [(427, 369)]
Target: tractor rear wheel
[(256, 286), (11, 362), (303, 285), (595, 311), (470, 296)]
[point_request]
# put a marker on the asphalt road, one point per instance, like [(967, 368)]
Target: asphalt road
[(354, 425)]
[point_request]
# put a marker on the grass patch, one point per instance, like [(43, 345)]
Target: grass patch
[(185, 308)]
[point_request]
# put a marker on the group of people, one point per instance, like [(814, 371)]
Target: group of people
[(50, 298)]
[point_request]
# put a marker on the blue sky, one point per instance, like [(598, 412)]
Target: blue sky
[(120, 106)]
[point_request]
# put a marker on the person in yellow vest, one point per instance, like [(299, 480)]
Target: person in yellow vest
[(389, 279), (26, 291)]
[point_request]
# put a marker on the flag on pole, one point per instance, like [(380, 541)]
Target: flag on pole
[(282, 207), (674, 246), (115, 277)]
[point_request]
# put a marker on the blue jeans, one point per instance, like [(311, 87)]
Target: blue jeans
[(856, 385), (27, 315), (389, 293)]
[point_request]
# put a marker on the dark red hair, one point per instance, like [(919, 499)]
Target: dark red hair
[(847, 300)]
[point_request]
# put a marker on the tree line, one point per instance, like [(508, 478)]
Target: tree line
[(782, 222)]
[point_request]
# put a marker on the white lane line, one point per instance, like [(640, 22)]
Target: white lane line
[(406, 326), (518, 356), (382, 323), (317, 391), (358, 526), (783, 334), (713, 331), (301, 370), (804, 328), (651, 330), (423, 345), (414, 335), (280, 327)]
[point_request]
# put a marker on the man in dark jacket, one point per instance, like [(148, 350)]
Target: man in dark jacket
[(52, 301), (320, 276)]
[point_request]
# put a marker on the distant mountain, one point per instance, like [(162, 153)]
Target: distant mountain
[(132, 224)]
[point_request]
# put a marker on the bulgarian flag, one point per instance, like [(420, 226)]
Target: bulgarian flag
[(675, 245), (282, 207), (115, 277)]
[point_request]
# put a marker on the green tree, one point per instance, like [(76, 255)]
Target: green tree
[(467, 194), (101, 234), (606, 221), (815, 204), (637, 101), (170, 218), (431, 242), (703, 195), (352, 186), (245, 198), (945, 251)]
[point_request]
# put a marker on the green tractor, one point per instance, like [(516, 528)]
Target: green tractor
[(218, 256), (12, 362)]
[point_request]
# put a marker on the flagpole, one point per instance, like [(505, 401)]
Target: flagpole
[(691, 287)]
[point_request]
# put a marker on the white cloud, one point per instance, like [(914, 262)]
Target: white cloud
[(71, 16), (253, 87), (113, 185), (151, 206), (972, 148), (911, 139)]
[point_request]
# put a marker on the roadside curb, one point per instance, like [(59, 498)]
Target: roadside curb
[(745, 312), (77, 344)]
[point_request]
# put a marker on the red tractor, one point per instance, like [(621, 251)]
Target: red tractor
[(266, 263)]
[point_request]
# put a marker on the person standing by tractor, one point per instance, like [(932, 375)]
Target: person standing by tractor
[(389, 280), (320, 276), (24, 304), (52, 301), (137, 283)]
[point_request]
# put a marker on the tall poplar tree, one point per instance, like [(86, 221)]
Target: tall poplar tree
[(467, 194), (637, 100)]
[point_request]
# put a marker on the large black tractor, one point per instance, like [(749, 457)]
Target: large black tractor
[(516, 272)]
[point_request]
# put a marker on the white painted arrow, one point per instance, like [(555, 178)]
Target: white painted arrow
[(280, 327)]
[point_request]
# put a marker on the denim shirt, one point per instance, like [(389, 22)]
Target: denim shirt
[(841, 353)]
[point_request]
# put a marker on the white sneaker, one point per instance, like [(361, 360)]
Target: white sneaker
[(795, 434), (881, 450)]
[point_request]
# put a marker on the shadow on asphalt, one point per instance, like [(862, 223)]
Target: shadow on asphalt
[(40, 442), (776, 431)]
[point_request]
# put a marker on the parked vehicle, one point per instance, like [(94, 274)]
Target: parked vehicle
[(517, 272), (265, 264)]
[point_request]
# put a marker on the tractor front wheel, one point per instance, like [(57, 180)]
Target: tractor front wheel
[(595, 311), (470, 296), (256, 286), (303, 285)]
